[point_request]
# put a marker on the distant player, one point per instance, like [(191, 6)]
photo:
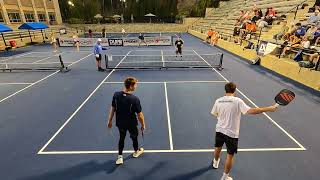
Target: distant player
[(76, 41), (141, 39), (179, 44), (98, 53), (123, 32)]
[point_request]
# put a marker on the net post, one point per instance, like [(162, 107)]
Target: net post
[(106, 61), (220, 62), (62, 68)]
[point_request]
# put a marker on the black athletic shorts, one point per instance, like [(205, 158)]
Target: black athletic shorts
[(231, 143), (99, 58), (133, 131), (179, 50)]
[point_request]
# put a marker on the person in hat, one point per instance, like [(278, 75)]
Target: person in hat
[(98, 49)]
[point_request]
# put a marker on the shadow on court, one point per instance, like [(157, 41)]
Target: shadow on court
[(75, 172), (193, 174)]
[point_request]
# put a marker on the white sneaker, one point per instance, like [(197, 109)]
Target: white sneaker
[(227, 178), (138, 153), (215, 164), (119, 160)]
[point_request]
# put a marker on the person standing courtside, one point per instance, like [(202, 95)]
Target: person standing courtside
[(179, 44), (228, 110), (127, 107), (98, 53)]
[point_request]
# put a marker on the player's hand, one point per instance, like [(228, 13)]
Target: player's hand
[(143, 128), (109, 124), (274, 108)]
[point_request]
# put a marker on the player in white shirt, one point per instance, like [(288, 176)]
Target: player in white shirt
[(228, 110)]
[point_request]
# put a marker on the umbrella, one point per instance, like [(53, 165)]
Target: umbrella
[(34, 26), (116, 16), (98, 16), (3, 29), (150, 15)]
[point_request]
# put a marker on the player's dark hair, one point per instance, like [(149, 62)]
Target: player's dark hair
[(230, 87), (130, 81)]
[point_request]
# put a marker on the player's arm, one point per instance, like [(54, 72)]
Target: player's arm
[(111, 114), (138, 110), (214, 110), (141, 120), (112, 111), (260, 110)]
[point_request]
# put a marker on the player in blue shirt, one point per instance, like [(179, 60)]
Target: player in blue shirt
[(98, 49)]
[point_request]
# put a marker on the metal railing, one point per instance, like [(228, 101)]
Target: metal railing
[(295, 9)]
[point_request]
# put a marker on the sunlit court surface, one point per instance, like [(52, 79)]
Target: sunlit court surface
[(54, 106)]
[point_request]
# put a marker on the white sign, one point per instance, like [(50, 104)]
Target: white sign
[(67, 42)]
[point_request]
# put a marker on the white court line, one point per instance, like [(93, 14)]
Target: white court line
[(15, 83), (273, 121), (41, 60), (171, 151), (78, 109), (41, 80), (168, 116), (185, 50), (168, 82), (161, 55), (12, 57), (177, 61)]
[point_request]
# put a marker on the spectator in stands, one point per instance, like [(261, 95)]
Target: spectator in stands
[(282, 32), (209, 35), (300, 31), (260, 13), (314, 18), (256, 17), (270, 15), (214, 38), (310, 33), (297, 44), (293, 28), (316, 37), (240, 18), (317, 5), (251, 28)]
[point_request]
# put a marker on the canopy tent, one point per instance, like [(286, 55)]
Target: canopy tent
[(34, 26), (3, 29), (150, 15)]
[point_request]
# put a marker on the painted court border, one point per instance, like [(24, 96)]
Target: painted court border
[(171, 150)]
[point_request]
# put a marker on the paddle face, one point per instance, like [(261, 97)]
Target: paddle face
[(284, 97)]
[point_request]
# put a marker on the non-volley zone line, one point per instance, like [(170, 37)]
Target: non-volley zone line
[(171, 151), (3, 84)]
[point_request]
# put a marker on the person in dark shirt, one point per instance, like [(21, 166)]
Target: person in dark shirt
[(179, 44), (127, 108), (141, 39)]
